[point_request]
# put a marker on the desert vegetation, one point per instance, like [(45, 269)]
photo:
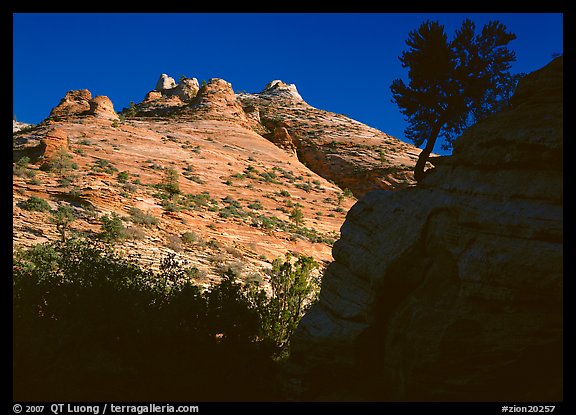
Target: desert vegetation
[(90, 323)]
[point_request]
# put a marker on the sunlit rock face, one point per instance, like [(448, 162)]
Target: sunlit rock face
[(102, 107), (74, 103), (452, 290)]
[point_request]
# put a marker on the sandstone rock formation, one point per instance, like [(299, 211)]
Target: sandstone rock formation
[(152, 96), (165, 83), (167, 86), (102, 107), (253, 113), (17, 126), (351, 154), (278, 87), (219, 143), (282, 139), (186, 90), (218, 162), (217, 101), (217, 92), (55, 140), (74, 103), (168, 97), (79, 103), (452, 290)]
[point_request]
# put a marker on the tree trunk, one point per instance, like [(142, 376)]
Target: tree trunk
[(62, 231), (419, 172)]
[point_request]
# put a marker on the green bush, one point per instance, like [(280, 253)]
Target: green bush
[(171, 206), (123, 176), (112, 227), (139, 217), (232, 208), (297, 216), (60, 163), (90, 323), (104, 166), (35, 203), (199, 200), (256, 205), (20, 167), (189, 237), (66, 180), (170, 182), (62, 218)]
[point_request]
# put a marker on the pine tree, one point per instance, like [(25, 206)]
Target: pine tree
[(453, 84)]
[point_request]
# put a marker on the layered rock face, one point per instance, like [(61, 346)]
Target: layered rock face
[(165, 83), (168, 97), (17, 126), (278, 87), (55, 140), (217, 93), (351, 154), (281, 138), (75, 102), (102, 107), (217, 101), (79, 103), (452, 290), (185, 90)]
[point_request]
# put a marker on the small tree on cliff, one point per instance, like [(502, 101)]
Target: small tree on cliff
[(170, 182), (453, 84), (62, 218)]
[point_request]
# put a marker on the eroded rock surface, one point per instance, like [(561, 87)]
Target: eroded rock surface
[(74, 103), (351, 154), (240, 174), (452, 290), (102, 107)]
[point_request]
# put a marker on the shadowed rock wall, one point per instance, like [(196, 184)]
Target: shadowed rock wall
[(452, 290)]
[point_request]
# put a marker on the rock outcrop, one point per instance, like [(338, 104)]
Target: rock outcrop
[(351, 154), (278, 87), (55, 141), (168, 97), (186, 90), (18, 126), (74, 103), (281, 138), (79, 103), (152, 96), (165, 83), (216, 93), (452, 290), (167, 87), (217, 101), (102, 107)]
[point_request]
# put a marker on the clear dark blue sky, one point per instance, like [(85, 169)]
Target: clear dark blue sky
[(341, 62)]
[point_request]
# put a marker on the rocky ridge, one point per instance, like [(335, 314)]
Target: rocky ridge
[(353, 155), (17, 126), (452, 290), (334, 146), (239, 180)]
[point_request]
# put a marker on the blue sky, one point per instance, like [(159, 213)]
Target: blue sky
[(340, 62)]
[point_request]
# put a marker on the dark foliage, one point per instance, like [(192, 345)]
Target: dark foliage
[(90, 324), (453, 84), (35, 203)]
